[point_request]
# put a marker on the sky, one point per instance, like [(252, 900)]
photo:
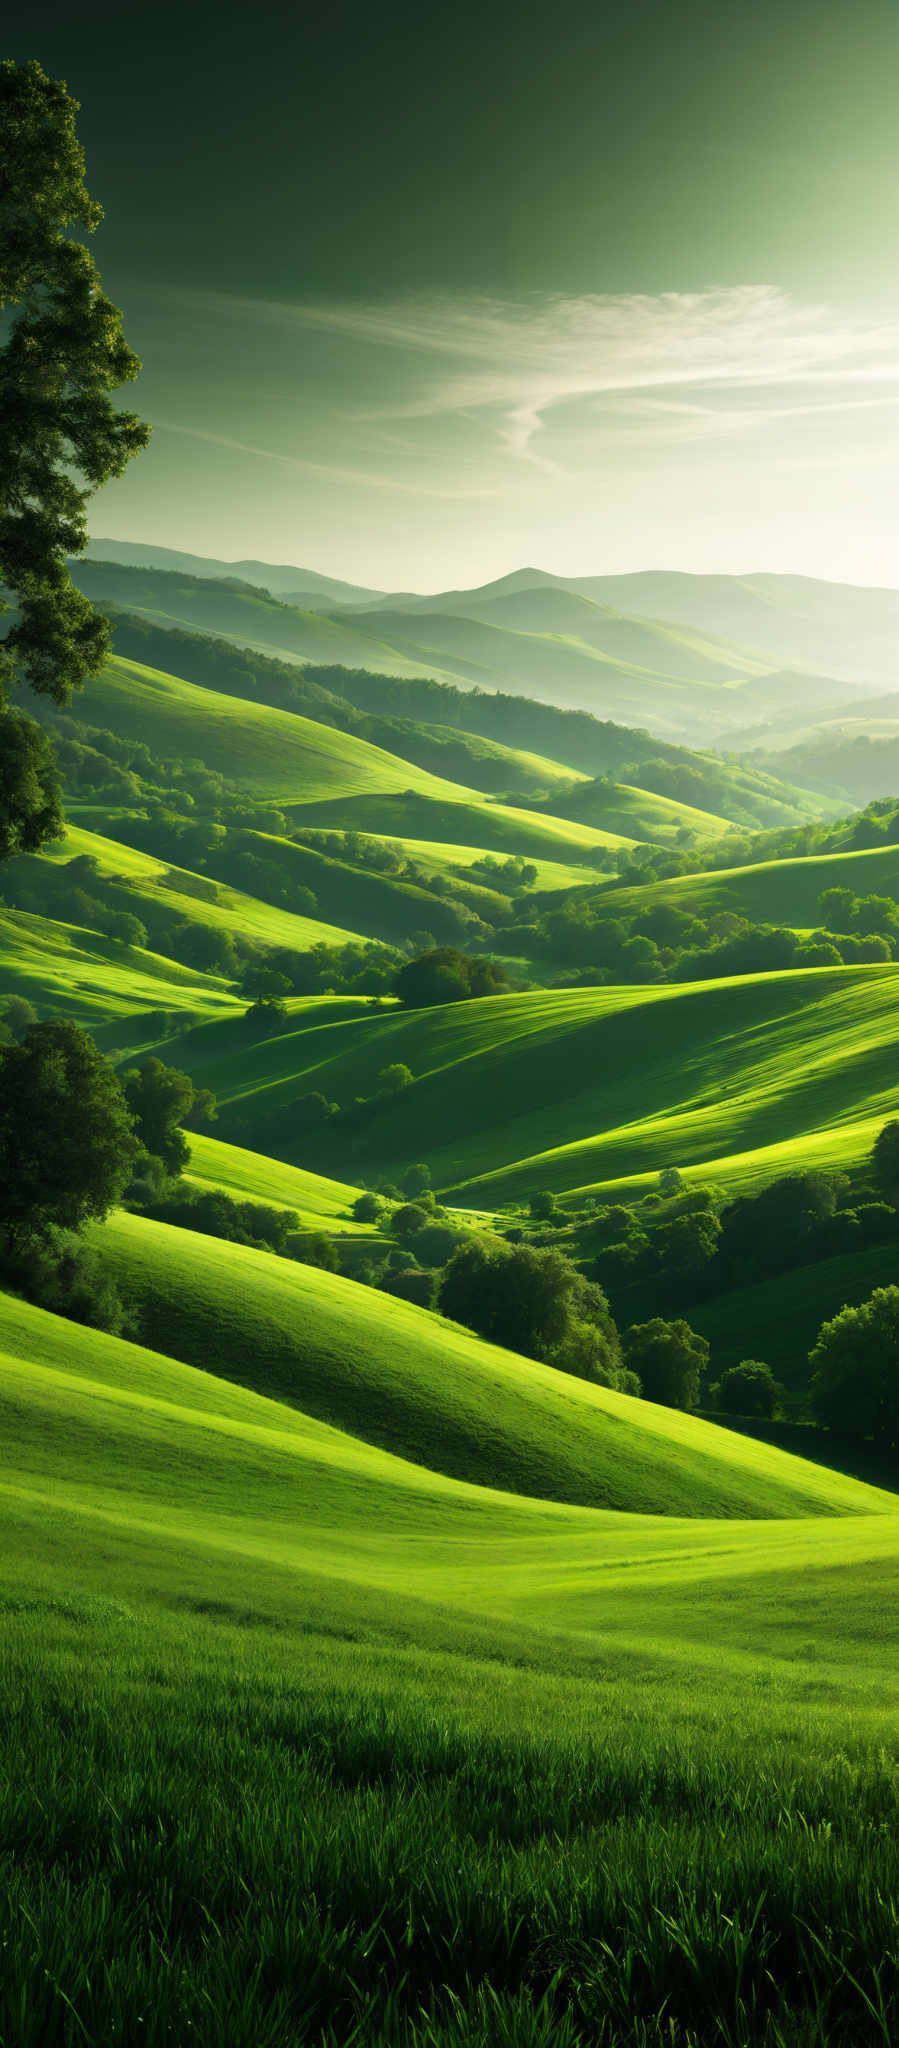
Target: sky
[(426, 293)]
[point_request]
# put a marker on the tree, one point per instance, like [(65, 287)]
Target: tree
[(407, 1219), (61, 437), (160, 1098), (444, 975), (392, 1080), (30, 790), (837, 909), (542, 1206), (532, 1301), (668, 1359), (67, 1141), (416, 1180), (366, 1208), (885, 1160), (855, 1369), (670, 1181), (749, 1388)]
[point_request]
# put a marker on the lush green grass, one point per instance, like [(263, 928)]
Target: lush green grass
[(773, 892), (276, 754), (97, 980), (320, 1204), (233, 911), (306, 1743), (461, 819), (438, 857), (568, 1089), (616, 807), (412, 1384)]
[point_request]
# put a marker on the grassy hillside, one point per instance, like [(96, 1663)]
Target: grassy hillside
[(402, 1380), (98, 981), (463, 818), (569, 1089), (288, 1708), (614, 807), (321, 1204), (276, 754), (233, 911), (774, 892)]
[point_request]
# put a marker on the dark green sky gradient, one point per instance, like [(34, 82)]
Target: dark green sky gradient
[(568, 147), (291, 157)]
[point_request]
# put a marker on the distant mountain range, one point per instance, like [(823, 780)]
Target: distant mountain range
[(699, 659)]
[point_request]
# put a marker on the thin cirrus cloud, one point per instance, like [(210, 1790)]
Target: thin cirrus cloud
[(696, 363), (326, 472)]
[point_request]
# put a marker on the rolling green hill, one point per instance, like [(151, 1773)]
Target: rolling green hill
[(98, 981), (156, 882), (291, 1706), (276, 754), (320, 1204), (574, 1088), (406, 1382), (773, 892)]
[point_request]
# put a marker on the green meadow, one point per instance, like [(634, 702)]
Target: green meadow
[(366, 1684), (307, 1741)]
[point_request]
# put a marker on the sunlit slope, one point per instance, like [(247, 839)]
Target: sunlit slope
[(277, 754), (773, 892), (567, 1088), (403, 1380), (97, 980), (320, 1203), (618, 807), (178, 891), (464, 819)]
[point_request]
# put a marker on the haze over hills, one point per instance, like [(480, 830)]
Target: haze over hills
[(545, 638)]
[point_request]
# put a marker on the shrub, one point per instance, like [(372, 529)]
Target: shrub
[(855, 1369), (668, 1359), (749, 1388)]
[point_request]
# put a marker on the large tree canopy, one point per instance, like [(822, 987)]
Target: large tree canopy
[(67, 1143), (60, 434)]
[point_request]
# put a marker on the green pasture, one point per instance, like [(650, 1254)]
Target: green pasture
[(99, 981), (460, 818), (410, 1383), (616, 807), (782, 892), (305, 1742), (249, 1176), (576, 1088), (244, 916), (276, 754)]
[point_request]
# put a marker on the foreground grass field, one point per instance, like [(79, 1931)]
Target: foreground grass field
[(306, 1743)]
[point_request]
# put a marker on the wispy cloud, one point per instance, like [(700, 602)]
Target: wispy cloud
[(328, 472), (513, 363)]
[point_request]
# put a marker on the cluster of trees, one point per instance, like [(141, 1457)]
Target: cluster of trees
[(667, 943), (76, 892), (691, 1246)]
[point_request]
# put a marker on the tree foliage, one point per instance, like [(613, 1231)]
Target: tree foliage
[(855, 1369), (749, 1388), (61, 437), (160, 1100), (533, 1301), (67, 1143), (444, 975), (668, 1359)]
